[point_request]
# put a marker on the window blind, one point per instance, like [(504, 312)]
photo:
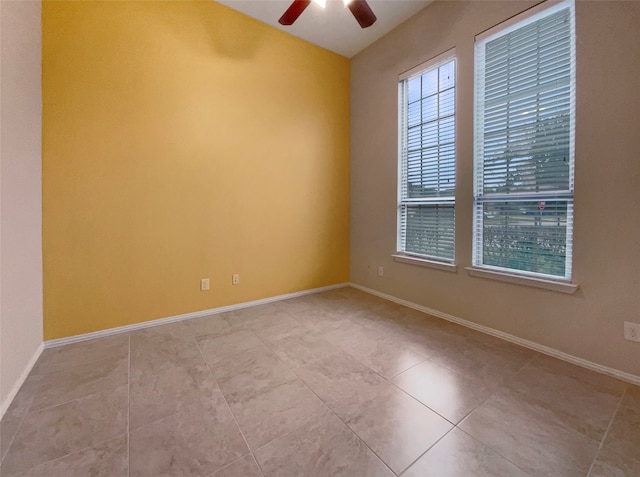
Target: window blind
[(426, 219), (524, 144)]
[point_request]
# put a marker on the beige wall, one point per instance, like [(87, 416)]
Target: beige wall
[(588, 324), (20, 191)]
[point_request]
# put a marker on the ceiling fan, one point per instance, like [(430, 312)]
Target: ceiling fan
[(359, 8)]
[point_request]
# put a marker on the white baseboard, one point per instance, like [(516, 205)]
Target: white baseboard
[(18, 384), (628, 377), (186, 316)]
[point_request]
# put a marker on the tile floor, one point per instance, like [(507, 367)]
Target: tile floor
[(335, 384)]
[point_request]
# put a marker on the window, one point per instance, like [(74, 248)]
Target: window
[(524, 144), (427, 153)]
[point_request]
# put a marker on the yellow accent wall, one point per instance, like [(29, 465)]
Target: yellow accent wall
[(183, 140)]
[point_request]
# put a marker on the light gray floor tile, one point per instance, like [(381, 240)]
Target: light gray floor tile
[(302, 348), (247, 314), (213, 325), (24, 397), (632, 397), (193, 442), (321, 320), (381, 353), (323, 447), (85, 352), (530, 436), (296, 305), (189, 393), (488, 361), (250, 372), (344, 335), (243, 467), (215, 349), (275, 411), (398, 428), (581, 399), (448, 393), (344, 384), (57, 431), (8, 429), (79, 381), (459, 455), (17, 410), (154, 354), (153, 397), (106, 459), (624, 433), (614, 462), (274, 326)]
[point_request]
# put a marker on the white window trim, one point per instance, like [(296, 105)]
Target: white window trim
[(531, 278), (442, 58), (527, 280), (548, 7), (423, 261), (407, 257)]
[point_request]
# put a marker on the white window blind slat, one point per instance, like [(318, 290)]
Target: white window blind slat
[(524, 144), (426, 208)]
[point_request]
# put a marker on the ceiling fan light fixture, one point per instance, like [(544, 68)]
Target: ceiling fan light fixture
[(359, 8)]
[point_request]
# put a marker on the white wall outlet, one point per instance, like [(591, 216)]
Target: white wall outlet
[(381, 271), (235, 278), (204, 284), (632, 331)]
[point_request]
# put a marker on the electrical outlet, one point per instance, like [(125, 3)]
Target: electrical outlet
[(632, 331), (235, 278), (381, 271), (204, 284)]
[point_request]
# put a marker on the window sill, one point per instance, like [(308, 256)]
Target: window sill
[(557, 286), (423, 262)]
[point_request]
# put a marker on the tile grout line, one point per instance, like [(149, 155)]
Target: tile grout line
[(292, 369), (382, 333), (606, 433), (235, 420), (156, 421), (425, 359), (66, 455), (15, 434), (257, 463), (388, 380), (497, 451), (491, 448), (233, 462), (495, 390), (492, 392), (470, 325), (325, 404), (48, 408), (34, 411), (455, 426), (344, 423), (428, 449), (71, 367), (423, 404), (71, 400)]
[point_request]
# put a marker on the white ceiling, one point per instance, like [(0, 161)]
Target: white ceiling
[(333, 27)]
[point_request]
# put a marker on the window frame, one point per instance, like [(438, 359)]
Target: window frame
[(402, 255), (480, 197)]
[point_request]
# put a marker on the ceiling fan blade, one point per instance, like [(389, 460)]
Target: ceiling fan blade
[(293, 12), (363, 13)]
